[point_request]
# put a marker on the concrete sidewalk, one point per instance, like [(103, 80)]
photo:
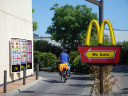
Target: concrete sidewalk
[(18, 84)]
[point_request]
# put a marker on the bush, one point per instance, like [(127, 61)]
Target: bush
[(72, 56), (48, 61), (124, 52), (48, 68), (36, 58), (80, 67)]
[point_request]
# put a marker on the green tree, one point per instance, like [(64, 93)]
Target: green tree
[(69, 23), (34, 25), (44, 46), (124, 51)]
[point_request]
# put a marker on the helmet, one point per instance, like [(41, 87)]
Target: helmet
[(64, 50)]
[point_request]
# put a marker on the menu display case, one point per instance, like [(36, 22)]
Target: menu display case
[(23, 53), (29, 54), (15, 55)]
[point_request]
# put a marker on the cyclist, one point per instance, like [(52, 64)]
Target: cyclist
[(64, 58)]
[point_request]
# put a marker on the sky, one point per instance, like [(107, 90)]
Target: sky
[(114, 10)]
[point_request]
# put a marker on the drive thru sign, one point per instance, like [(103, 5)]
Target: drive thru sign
[(102, 54)]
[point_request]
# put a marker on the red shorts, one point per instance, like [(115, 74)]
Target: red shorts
[(63, 66)]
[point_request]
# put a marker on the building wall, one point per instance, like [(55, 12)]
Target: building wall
[(120, 35), (15, 22)]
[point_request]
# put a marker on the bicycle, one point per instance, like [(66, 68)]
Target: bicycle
[(63, 75)]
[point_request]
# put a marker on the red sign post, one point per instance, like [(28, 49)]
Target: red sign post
[(102, 54)]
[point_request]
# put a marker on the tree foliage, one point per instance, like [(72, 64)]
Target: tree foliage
[(44, 46), (34, 23), (124, 51), (94, 41), (73, 55), (69, 23)]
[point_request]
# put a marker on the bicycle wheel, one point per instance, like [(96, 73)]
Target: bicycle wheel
[(64, 77), (61, 78)]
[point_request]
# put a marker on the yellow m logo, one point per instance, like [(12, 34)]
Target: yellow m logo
[(100, 32), (16, 68), (22, 67), (28, 66)]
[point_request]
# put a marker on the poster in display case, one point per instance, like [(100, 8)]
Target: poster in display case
[(15, 55), (23, 53), (29, 54)]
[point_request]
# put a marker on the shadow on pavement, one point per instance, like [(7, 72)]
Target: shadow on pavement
[(27, 91), (78, 73), (52, 81), (79, 85), (120, 69), (57, 94), (80, 78), (124, 91)]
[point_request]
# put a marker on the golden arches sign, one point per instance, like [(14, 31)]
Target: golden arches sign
[(100, 32), (100, 54)]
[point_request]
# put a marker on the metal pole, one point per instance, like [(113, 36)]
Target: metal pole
[(101, 76), (100, 4), (24, 76), (101, 67), (101, 79), (5, 81), (101, 12), (37, 71)]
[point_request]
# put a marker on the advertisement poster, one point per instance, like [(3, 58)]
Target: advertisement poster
[(29, 54), (15, 55), (23, 53)]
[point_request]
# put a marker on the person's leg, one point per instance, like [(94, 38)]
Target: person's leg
[(61, 68), (68, 71), (66, 66)]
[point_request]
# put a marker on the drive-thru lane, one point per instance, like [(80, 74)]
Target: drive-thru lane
[(50, 85)]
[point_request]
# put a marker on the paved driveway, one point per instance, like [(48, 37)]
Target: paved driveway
[(121, 73), (50, 85)]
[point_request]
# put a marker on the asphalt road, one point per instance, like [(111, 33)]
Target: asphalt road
[(76, 85), (121, 73), (50, 85)]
